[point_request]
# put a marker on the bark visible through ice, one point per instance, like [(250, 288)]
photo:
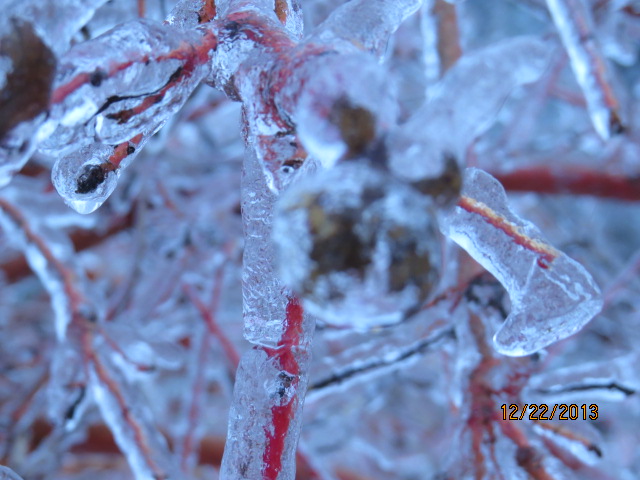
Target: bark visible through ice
[(552, 296)]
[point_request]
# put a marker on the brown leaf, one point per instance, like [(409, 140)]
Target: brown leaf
[(28, 84)]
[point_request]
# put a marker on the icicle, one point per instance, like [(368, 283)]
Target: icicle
[(575, 26), (552, 296), (464, 104), (56, 22)]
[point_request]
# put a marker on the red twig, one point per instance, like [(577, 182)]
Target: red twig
[(572, 180), (114, 388), (188, 441), (547, 254), (449, 49), (66, 275), (214, 329), (574, 24), (192, 55), (282, 414), (141, 8), (230, 351)]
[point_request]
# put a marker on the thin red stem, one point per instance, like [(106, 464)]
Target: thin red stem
[(283, 414), (229, 349), (547, 254), (572, 180)]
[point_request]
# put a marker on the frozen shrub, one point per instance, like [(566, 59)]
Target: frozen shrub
[(417, 219)]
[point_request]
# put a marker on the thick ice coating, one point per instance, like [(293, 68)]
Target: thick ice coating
[(552, 296), (359, 247)]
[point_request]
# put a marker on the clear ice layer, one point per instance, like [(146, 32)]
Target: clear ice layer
[(552, 296)]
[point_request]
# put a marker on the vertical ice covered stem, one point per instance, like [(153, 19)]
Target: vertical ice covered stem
[(575, 26), (552, 296), (264, 422), (263, 301), (266, 413)]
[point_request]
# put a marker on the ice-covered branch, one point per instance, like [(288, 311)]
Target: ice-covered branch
[(571, 180), (531, 270), (575, 26)]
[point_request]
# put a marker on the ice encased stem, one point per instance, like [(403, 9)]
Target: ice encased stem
[(575, 26), (129, 419), (552, 296), (7, 474), (263, 301), (262, 387)]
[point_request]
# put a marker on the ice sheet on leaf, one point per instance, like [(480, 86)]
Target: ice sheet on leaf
[(465, 104), (364, 24), (27, 68), (552, 296), (360, 248)]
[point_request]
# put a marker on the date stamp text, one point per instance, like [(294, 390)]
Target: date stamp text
[(542, 411)]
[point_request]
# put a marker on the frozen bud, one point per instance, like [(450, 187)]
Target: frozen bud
[(445, 187), (360, 248), (345, 108), (84, 179)]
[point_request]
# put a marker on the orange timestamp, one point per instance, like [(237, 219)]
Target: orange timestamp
[(542, 411)]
